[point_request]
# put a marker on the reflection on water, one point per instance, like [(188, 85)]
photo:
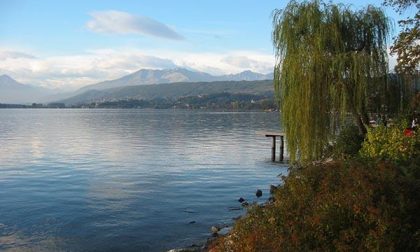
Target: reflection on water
[(126, 179)]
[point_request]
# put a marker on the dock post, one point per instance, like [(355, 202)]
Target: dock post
[(273, 150), (273, 135), (281, 148)]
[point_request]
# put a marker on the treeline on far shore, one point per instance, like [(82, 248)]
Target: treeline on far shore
[(220, 101), (33, 105)]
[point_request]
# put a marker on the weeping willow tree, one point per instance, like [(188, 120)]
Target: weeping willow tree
[(327, 57)]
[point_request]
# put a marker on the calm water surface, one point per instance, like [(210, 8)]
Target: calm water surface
[(106, 180)]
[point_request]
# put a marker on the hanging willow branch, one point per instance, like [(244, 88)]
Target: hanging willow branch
[(327, 56)]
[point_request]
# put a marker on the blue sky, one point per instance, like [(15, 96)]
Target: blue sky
[(68, 44)]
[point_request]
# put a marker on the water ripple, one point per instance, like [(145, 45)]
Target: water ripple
[(98, 180)]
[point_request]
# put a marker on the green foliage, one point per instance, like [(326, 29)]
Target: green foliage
[(400, 5), (406, 44), (390, 143), (335, 206), (328, 57), (393, 97), (348, 142)]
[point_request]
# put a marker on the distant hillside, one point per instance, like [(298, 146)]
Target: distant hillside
[(214, 102), (172, 91), (12, 91), (151, 76)]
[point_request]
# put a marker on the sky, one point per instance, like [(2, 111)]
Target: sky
[(68, 44)]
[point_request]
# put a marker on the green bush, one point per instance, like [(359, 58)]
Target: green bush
[(348, 142), (335, 206), (390, 143)]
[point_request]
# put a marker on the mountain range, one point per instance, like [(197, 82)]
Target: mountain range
[(12, 91), (151, 76)]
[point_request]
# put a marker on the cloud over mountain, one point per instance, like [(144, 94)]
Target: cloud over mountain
[(119, 22), (76, 70), (244, 62)]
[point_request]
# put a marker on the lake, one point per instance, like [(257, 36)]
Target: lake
[(139, 180)]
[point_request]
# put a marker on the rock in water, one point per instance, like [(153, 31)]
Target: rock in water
[(273, 189), (214, 229), (225, 230), (258, 193), (241, 200), (192, 248)]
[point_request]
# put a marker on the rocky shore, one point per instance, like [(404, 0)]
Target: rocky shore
[(224, 229)]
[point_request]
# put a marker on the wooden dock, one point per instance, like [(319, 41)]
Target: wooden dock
[(274, 136)]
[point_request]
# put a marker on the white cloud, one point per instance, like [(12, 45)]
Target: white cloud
[(74, 71), (215, 63), (4, 55), (119, 22), (244, 62)]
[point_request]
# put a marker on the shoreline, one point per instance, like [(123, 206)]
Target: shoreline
[(222, 230)]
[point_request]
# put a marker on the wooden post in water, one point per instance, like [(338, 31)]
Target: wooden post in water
[(273, 135), (273, 149), (281, 148)]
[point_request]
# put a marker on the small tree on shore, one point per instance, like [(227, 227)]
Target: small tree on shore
[(406, 44), (327, 58), (406, 47)]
